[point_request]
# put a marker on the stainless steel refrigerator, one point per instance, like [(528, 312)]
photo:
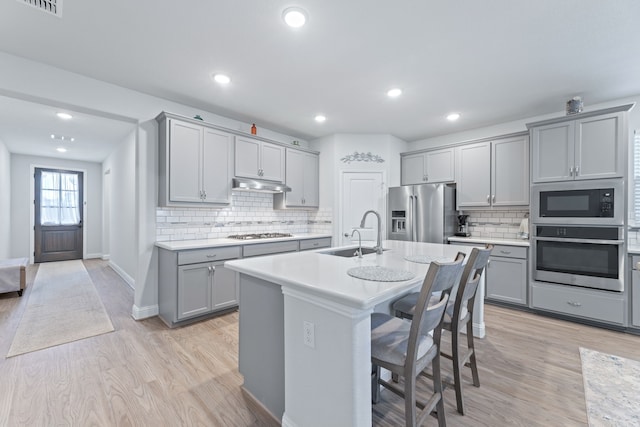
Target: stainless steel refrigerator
[(422, 213)]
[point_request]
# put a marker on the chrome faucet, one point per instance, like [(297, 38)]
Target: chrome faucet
[(359, 250), (378, 246)]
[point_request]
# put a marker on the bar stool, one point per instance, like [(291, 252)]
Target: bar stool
[(406, 348), (458, 315)]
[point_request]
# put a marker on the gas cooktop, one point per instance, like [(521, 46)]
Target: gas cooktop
[(259, 236)]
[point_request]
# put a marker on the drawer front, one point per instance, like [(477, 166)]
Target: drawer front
[(307, 244), (509, 251), (577, 302), (208, 255), (270, 248)]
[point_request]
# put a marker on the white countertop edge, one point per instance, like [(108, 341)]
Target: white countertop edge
[(312, 291), (182, 245), (633, 249), (492, 240), (247, 266)]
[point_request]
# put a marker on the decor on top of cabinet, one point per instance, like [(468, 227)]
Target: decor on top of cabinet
[(362, 157), (574, 105)]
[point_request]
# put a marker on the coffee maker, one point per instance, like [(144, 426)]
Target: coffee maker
[(463, 226)]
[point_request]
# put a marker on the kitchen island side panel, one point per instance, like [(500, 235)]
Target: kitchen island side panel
[(261, 342)]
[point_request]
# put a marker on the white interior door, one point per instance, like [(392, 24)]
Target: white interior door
[(362, 191)]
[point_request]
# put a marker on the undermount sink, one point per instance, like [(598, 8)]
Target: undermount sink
[(351, 252)]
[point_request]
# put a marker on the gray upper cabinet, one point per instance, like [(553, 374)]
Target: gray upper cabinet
[(259, 159), (493, 173), (195, 164), (591, 146), (428, 167), (474, 175), (302, 170)]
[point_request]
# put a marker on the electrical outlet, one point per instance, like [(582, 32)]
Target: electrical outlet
[(309, 334)]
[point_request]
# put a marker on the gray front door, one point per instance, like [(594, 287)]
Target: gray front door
[(58, 215)]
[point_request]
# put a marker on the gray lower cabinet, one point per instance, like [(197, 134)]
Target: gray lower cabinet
[(635, 292), (635, 299), (194, 283), (589, 304), (270, 248), (309, 244), (507, 274)]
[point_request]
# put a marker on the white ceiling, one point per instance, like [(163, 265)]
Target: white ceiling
[(493, 61), (26, 128)]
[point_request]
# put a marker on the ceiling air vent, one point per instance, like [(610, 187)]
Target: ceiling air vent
[(53, 7)]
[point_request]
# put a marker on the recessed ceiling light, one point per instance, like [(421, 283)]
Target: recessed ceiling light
[(294, 17), (64, 116), (393, 93), (62, 138), (320, 118), (453, 117), (61, 150), (223, 79)]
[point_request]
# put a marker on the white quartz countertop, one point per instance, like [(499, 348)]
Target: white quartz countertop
[(325, 276), (183, 245), (491, 240), (633, 248)]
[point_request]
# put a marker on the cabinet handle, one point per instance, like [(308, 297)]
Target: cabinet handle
[(212, 255), (571, 171), (493, 198), (488, 198), (574, 303), (426, 178), (505, 252), (577, 170), (204, 194), (315, 244)]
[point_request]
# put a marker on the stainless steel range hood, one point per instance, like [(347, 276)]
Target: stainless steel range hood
[(245, 184)]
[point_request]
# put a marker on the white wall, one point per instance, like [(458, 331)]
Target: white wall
[(21, 201), (22, 78), (119, 210), (336, 147), (5, 202)]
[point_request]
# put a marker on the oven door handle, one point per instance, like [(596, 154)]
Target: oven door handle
[(591, 241)]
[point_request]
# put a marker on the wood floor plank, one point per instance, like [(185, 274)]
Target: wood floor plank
[(145, 374)]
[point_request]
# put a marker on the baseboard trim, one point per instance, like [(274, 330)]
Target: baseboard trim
[(128, 279), (93, 256), (139, 313), (105, 257)]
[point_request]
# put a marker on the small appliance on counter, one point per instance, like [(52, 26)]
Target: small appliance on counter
[(463, 226)]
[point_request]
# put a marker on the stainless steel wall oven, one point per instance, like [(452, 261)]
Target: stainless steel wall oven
[(585, 256)]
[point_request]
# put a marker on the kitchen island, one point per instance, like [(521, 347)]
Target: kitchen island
[(305, 328)]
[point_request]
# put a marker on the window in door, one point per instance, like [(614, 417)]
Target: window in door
[(59, 198)]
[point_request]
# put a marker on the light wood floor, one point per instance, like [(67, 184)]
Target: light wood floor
[(146, 374)]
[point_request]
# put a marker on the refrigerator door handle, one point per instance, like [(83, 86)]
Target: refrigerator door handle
[(414, 214), (412, 221)]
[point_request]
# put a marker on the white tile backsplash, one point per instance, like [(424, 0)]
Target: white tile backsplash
[(497, 224), (248, 213)]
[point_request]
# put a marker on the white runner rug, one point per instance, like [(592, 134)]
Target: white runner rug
[(611, 388), (63, 306)]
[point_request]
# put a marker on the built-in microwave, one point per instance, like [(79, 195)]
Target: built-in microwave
[(595, 202)]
